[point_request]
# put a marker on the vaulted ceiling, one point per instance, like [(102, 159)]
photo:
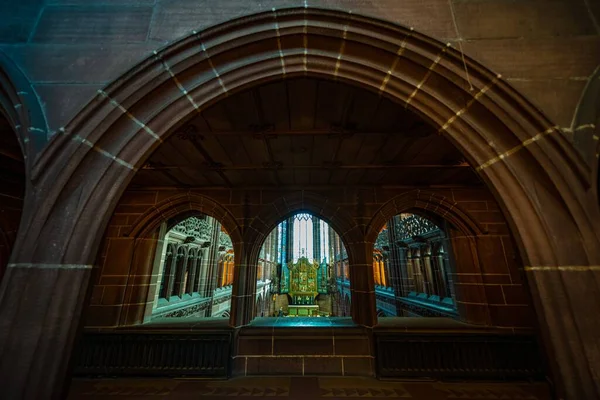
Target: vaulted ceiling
[(306, 132)]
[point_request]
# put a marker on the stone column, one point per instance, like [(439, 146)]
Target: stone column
[(448, 265), (180, 272), (440, 271), (141, 283), (362, 285), (427, 269), (192, 271), (417, 270), (243, 292), (172, 274), (207, 279), (40, 310)]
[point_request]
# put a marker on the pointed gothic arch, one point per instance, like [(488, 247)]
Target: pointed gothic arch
[(181, 206)]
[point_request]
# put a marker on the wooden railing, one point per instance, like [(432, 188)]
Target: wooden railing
[(470, 356), (172, 354)]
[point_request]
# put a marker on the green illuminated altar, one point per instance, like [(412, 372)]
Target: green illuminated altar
[(303, 287)]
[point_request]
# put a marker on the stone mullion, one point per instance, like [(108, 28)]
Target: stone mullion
[(330, 251), (316, 239), (290, 240)]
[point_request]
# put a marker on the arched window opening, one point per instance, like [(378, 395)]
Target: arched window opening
[(302, 271), (412, 260), (196, 270)]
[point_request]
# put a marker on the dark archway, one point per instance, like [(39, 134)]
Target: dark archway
[(535, 174)]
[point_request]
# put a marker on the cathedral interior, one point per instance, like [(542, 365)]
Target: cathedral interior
[(300, 199)]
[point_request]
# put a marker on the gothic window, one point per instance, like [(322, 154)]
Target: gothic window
[(197, 269), (304, 264), (411, 268)]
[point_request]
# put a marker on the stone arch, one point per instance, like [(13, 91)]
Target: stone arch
[(286, 206), (24, 124), (21, 107), (183, 206), (422, 201), (586, 128), (536, 175), (301, 201), (430, 205), (98, 135)]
